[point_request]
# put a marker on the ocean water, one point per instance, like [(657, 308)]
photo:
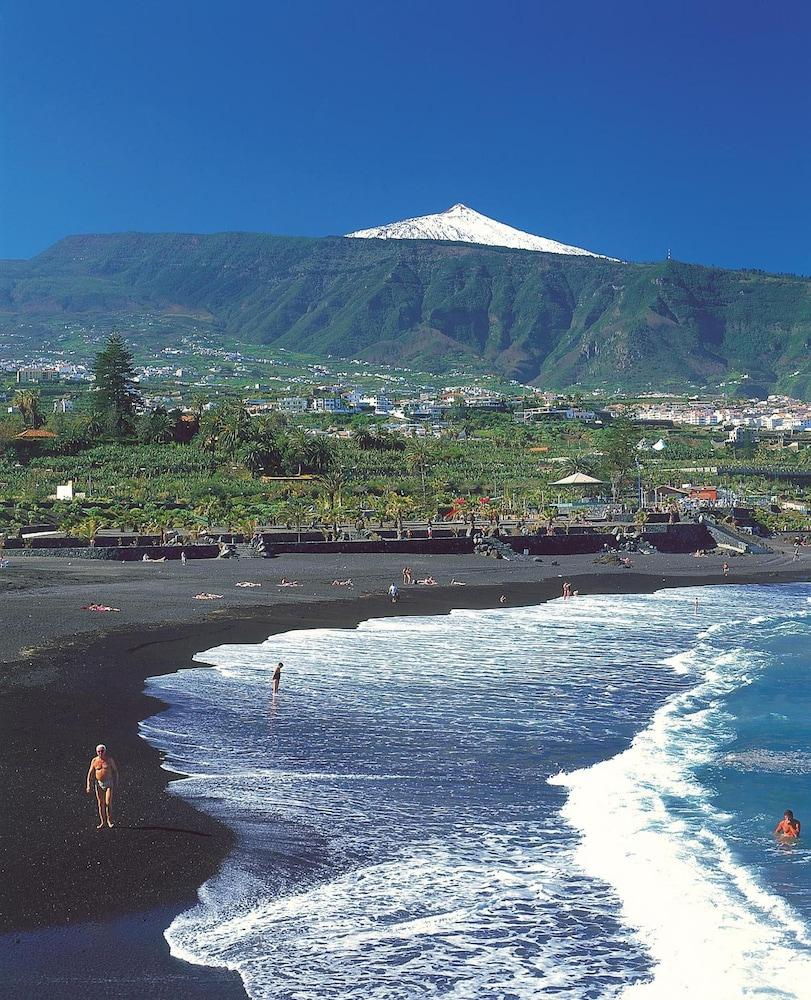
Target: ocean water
[(571, 800)]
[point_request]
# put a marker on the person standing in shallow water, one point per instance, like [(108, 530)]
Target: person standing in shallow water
[(104, 771), (277, 678), (788, 826)]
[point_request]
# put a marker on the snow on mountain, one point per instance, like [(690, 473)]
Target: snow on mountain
[(462, 225)]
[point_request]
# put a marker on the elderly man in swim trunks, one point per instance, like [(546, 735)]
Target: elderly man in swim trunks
[(104, 771)]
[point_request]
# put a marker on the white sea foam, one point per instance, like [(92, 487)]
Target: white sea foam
[(649, 829), (769, 761), (395, 838)]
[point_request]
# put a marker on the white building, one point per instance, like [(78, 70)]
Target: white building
[(257, 406), (380, 404), (739, 435), (31, 373), (330, 404), (292, 404), (426, 411)]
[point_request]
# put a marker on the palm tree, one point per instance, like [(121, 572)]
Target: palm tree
[(198, 404), (158, 524), (305, 451), (295, 450), (364, 439), (234, 427), (580, 461), (207, 513), (88, 528), (418, 459), (156, 427), (27, 402), (492, 511), (227, 428), (380, 506), (329, 509), (319, 455), (397, 506), (295, 511), (261, 455), (332, 484), (329, 502), (247, 527)]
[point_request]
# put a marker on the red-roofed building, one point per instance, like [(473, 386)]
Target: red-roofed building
[(32, 434)]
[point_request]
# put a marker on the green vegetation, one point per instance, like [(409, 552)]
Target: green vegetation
[(550, 319), (115, 398), (28, 403), (218, 466)]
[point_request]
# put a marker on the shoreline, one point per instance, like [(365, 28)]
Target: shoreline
[(74, 690)]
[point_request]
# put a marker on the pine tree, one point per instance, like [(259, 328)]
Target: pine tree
[(116, 397)]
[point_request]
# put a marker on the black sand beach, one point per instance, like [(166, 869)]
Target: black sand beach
[(70, 678)]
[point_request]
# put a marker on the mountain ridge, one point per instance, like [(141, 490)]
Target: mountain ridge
[(551, 319)]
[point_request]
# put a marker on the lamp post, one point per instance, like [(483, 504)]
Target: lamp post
[(639, 494)]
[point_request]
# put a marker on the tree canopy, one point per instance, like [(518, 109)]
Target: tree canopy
[(117, 399)]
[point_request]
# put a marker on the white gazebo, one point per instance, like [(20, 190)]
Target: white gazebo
[(578, 479)]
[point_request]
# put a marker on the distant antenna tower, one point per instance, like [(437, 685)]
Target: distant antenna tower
[(669, 255)]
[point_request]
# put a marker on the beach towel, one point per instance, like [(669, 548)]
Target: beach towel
[(248, 584), (207, 597), (98, 607)]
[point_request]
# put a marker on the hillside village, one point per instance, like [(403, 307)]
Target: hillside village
[(409, 409)]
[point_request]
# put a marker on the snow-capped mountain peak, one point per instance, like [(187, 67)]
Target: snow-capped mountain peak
[(463, 225)]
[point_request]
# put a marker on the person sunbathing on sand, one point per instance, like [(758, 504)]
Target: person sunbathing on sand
[(341, 583), (288, 583), (788, 827), (428, 581), (105, 771)]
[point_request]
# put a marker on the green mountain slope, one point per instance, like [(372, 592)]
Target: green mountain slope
[(547, 318)]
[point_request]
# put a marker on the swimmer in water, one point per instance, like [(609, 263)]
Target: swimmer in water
[(788, 826)]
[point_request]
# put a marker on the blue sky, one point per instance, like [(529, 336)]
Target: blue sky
[(626, 128)]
